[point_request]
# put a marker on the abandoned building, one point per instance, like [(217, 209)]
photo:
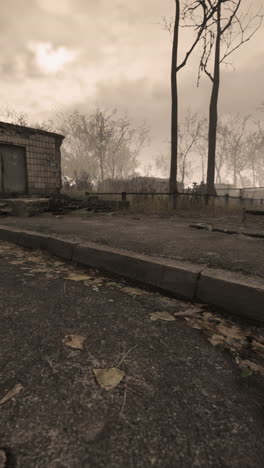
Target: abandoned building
[(30, 161)]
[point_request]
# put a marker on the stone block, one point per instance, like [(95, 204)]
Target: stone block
[(233, 292)]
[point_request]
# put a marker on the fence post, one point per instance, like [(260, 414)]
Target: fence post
[(173, 198), (206, 198), (226, 202), (243, 207)]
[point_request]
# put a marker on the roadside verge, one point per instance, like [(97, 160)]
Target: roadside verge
[(232, 292)]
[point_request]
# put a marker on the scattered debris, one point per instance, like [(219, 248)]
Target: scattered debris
[(125, 355), (192, 311), (3, 458), (134, 291), (216, 340), (109, 378), (231, 331), (248, 367), (78, 277), (163, 315), (74, 341), (11, 393)]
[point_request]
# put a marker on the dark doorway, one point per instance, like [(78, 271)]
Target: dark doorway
[(13, 177)]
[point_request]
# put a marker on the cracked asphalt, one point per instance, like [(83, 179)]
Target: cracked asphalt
[(183, 402)]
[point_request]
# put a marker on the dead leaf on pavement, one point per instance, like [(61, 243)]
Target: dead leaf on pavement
[(78, 277), (258, 347), (17, 262), (57, 263), (191, 311), (163, 315), (134, 291), (200, 324), (232, 332), (108, 378), (3, 458), (251, 366), (210, 316), (217, 340), (13, 392), (74, 341)]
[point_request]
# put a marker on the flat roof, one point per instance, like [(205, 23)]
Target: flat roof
[(30, 130)]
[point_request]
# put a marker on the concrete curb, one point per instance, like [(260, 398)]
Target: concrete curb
[(229, 291)]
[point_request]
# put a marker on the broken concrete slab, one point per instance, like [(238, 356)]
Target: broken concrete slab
[(61, 247), (10, 235), (172, 276), (34, 240), (232, 292), (25, 207)]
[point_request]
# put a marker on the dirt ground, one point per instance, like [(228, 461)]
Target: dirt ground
[(170, 237), (190, 392)]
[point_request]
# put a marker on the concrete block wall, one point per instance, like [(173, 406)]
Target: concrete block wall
[(43, 156)]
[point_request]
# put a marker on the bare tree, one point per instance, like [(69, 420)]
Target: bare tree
[(101, 143), (227, 30), (176, 66), (189, 136), (253, 149), (190, 132), (12, 116)]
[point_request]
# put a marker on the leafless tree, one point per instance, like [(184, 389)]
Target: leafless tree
[(228, 29), (253, 149), (101, 143), (189, 135), (205, 15)]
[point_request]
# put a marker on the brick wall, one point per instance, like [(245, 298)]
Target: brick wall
[(43, 156)]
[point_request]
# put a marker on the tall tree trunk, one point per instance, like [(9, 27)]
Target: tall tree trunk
[(174, 102), (213, 109), (235, 173)]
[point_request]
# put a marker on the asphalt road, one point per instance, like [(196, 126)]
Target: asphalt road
[(157, 236), (181, 402)]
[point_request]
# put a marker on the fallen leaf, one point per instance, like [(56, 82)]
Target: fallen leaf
[(108, 378), (217, 340), (257, 346), (211, 317), (232, 332), (134, 291), (76, 277), (113, 283), (74, 341), (162, 316), (98, 280), (17, 262), (57, 263), (252, 366), (3, 459), (188, 312), (13, 392)]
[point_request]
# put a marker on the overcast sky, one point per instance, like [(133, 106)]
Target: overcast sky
[(63, 54)]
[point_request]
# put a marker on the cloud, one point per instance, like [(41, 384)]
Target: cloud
[(74, 53), (49, 58)]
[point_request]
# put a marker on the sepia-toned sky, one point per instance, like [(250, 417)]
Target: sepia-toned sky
[(65, 54)]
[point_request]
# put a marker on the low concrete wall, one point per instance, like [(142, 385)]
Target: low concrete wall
[(229, 291)]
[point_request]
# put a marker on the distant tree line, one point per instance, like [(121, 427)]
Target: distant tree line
[(239, 150), (97, 146)]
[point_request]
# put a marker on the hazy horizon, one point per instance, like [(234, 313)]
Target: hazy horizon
[(73, 54)]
